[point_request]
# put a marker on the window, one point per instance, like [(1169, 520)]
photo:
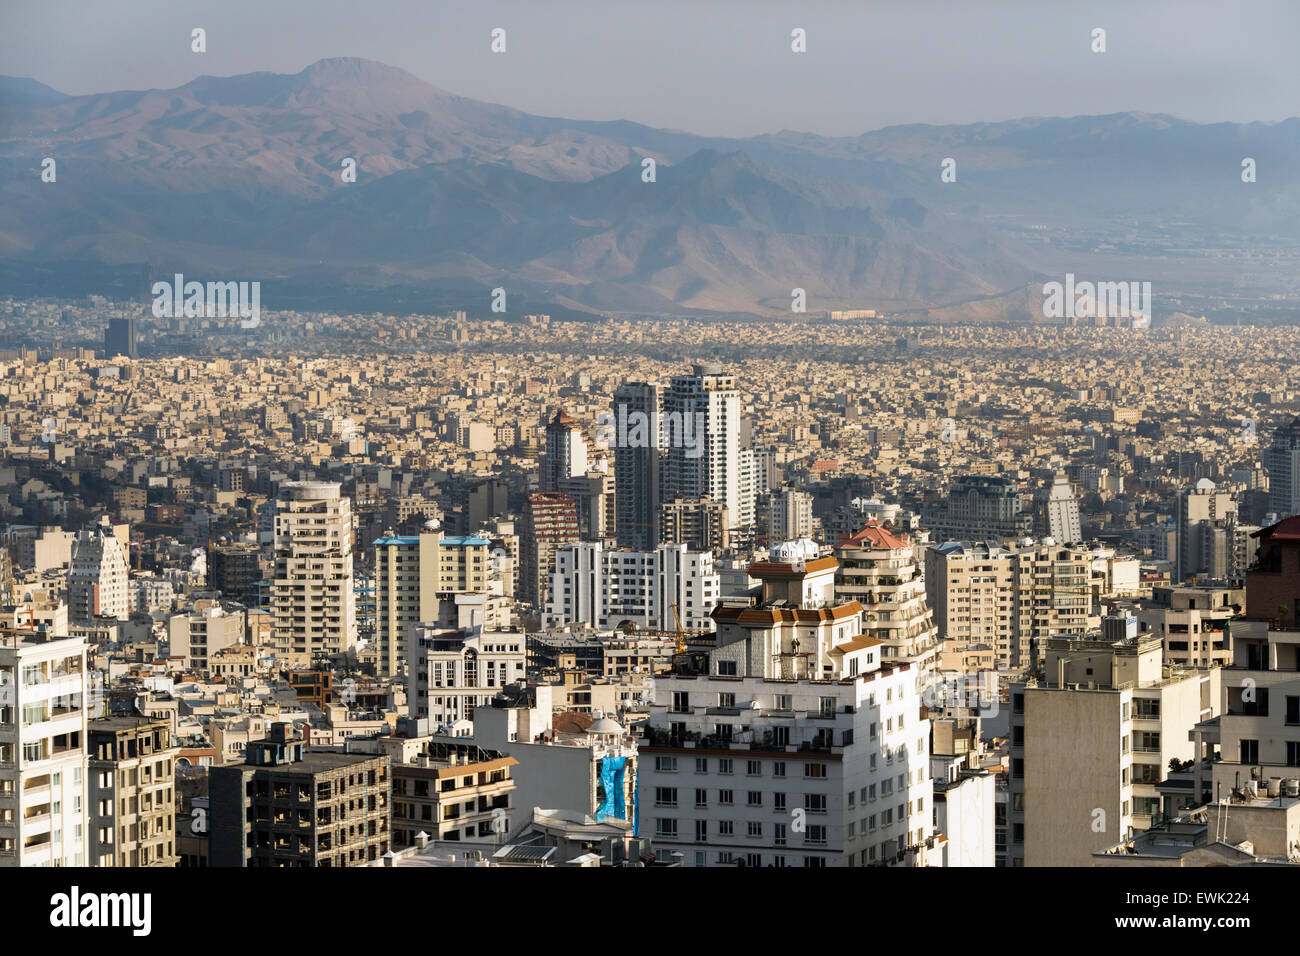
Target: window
[(701, 831), (784, 702), (666, 764), (755, 829), (727, 668), (725, 797), (814, 802), (725, 765), (724, 828), (701, 764), (1292, 753), (681, 702), (816, 770), (816, 834), (701, 798), (778, 834), (1293, 710), (778, 802), (754, 768), (665, 796), (754, 798), (778, 768), (1250, 751), (726, 700), (666, 827)]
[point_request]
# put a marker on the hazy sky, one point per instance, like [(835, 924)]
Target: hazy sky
[(722, 68)]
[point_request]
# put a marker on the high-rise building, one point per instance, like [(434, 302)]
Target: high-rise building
[(287, 806), (195, 636), (1006, 598), (236, 572), (1282, 459), (1191, 622), (638, 456), (701, 524), (786, 515), (566, 451), (1061, 512), (879, 570), (413, 574), (548, 523), (797, 745), (605, 588), (44, 705), (701, 434), (98, 577), (121, 339), (1198, 511), (132, 792), (314, 600)]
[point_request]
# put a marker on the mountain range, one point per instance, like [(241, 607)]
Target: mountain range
[(240, 178)]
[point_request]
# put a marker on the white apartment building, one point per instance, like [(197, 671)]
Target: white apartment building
[(44, 704), (454, 670), (798, 746), (98, 577), (603, 587), (701, 435), (314, 601)]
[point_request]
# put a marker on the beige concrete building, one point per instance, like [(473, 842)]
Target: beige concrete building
[(132, 792), (314, 604), (1190, 621), (413, 574), (1091, 737)]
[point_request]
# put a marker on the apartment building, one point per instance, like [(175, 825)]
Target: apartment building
[(414, 574), (1257, 737), (1008, 597), (444, 790), (657, 589), (701, 435), (1205, 516), (979, 507), (794, 744), (314, 601), (637, 464), (878, 569), (1092, 737), (549, 522), (44, 705), (1191, 622), (132, 792), (287, 806), (701, 524), (195, 636), (98, 577), (454, 670)]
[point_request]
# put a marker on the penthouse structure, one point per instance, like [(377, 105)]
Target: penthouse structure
[(978, 507), (793, 744)]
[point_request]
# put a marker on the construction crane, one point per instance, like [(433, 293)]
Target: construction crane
[(683, 632)]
